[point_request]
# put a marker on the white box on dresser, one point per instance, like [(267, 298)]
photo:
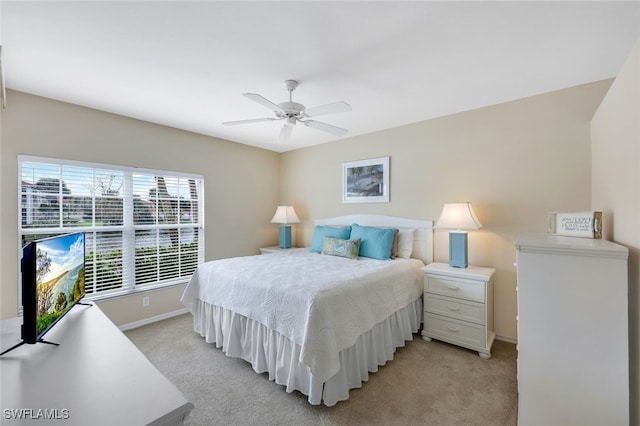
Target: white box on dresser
[(573, 366), (458, 306)]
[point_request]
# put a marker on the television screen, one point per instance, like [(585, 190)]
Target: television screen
[(52, 283), (59, 278)]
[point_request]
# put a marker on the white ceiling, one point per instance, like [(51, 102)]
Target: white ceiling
[(186, 64)]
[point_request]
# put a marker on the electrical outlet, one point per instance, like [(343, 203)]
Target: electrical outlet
[(145, 301)]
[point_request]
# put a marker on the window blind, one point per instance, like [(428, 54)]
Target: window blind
[(143, 227)]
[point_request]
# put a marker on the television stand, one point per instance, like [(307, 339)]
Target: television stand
[(95, 377), (24, 342), (42, 340)]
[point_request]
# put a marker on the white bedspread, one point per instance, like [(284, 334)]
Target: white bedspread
[(322, 303)]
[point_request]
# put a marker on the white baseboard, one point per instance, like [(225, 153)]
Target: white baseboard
[(146, 321), (507, 339)]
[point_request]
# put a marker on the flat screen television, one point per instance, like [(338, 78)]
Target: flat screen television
[(52, 283)]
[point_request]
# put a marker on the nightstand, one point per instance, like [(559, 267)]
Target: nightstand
[(458, 306), (273, 249)]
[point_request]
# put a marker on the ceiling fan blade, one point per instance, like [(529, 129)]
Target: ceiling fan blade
[(264, 102), (331, 108), (338, 131), (251, 120), (285, 133)]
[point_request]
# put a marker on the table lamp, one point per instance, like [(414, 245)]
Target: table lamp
[(458, 216), (284, 216)]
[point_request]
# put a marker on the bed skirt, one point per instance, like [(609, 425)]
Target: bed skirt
[(269, 351)]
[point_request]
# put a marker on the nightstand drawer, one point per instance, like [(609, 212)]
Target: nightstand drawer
[(455, 308), (459, 287), (455, 331)]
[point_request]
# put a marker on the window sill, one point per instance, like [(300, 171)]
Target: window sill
[(125, 293)]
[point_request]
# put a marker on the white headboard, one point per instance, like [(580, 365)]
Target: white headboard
[(422, 238)]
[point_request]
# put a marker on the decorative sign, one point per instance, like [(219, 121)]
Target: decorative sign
[(577, 224)]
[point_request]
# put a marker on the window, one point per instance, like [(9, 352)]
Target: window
[(143, 228)]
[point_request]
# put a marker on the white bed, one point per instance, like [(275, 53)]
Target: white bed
[(317, 324)]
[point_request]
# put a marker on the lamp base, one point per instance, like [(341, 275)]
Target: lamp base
[(284, 238), (458, 249)]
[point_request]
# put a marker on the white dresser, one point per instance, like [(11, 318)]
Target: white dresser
[(458, 306), (95, 377), (573, 366)]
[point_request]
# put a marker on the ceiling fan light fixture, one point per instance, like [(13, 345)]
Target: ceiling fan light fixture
[(285, 133)]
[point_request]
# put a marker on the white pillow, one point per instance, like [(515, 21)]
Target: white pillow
[(405, 243)]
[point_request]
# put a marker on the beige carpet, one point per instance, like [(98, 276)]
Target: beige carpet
[(428, 383)]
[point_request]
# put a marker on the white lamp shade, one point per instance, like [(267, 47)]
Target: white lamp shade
[(458, 216), (285, 214)]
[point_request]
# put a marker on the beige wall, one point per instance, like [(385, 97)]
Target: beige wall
[(241, 183), (616, 190), (515, 162)]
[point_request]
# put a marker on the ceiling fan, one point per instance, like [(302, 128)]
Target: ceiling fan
[(293, 112)]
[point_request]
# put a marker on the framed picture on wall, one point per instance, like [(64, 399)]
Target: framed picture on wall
[(366, 181)]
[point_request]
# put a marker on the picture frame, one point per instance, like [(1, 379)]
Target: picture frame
[(366, 181)]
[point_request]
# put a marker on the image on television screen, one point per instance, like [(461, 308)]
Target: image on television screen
[(59, 277)]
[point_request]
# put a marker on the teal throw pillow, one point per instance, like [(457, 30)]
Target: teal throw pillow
[(375, 243), (319, 232)]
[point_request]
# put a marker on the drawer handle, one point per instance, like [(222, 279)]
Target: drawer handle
[(453, 328), (453, 307), (453, 287)]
